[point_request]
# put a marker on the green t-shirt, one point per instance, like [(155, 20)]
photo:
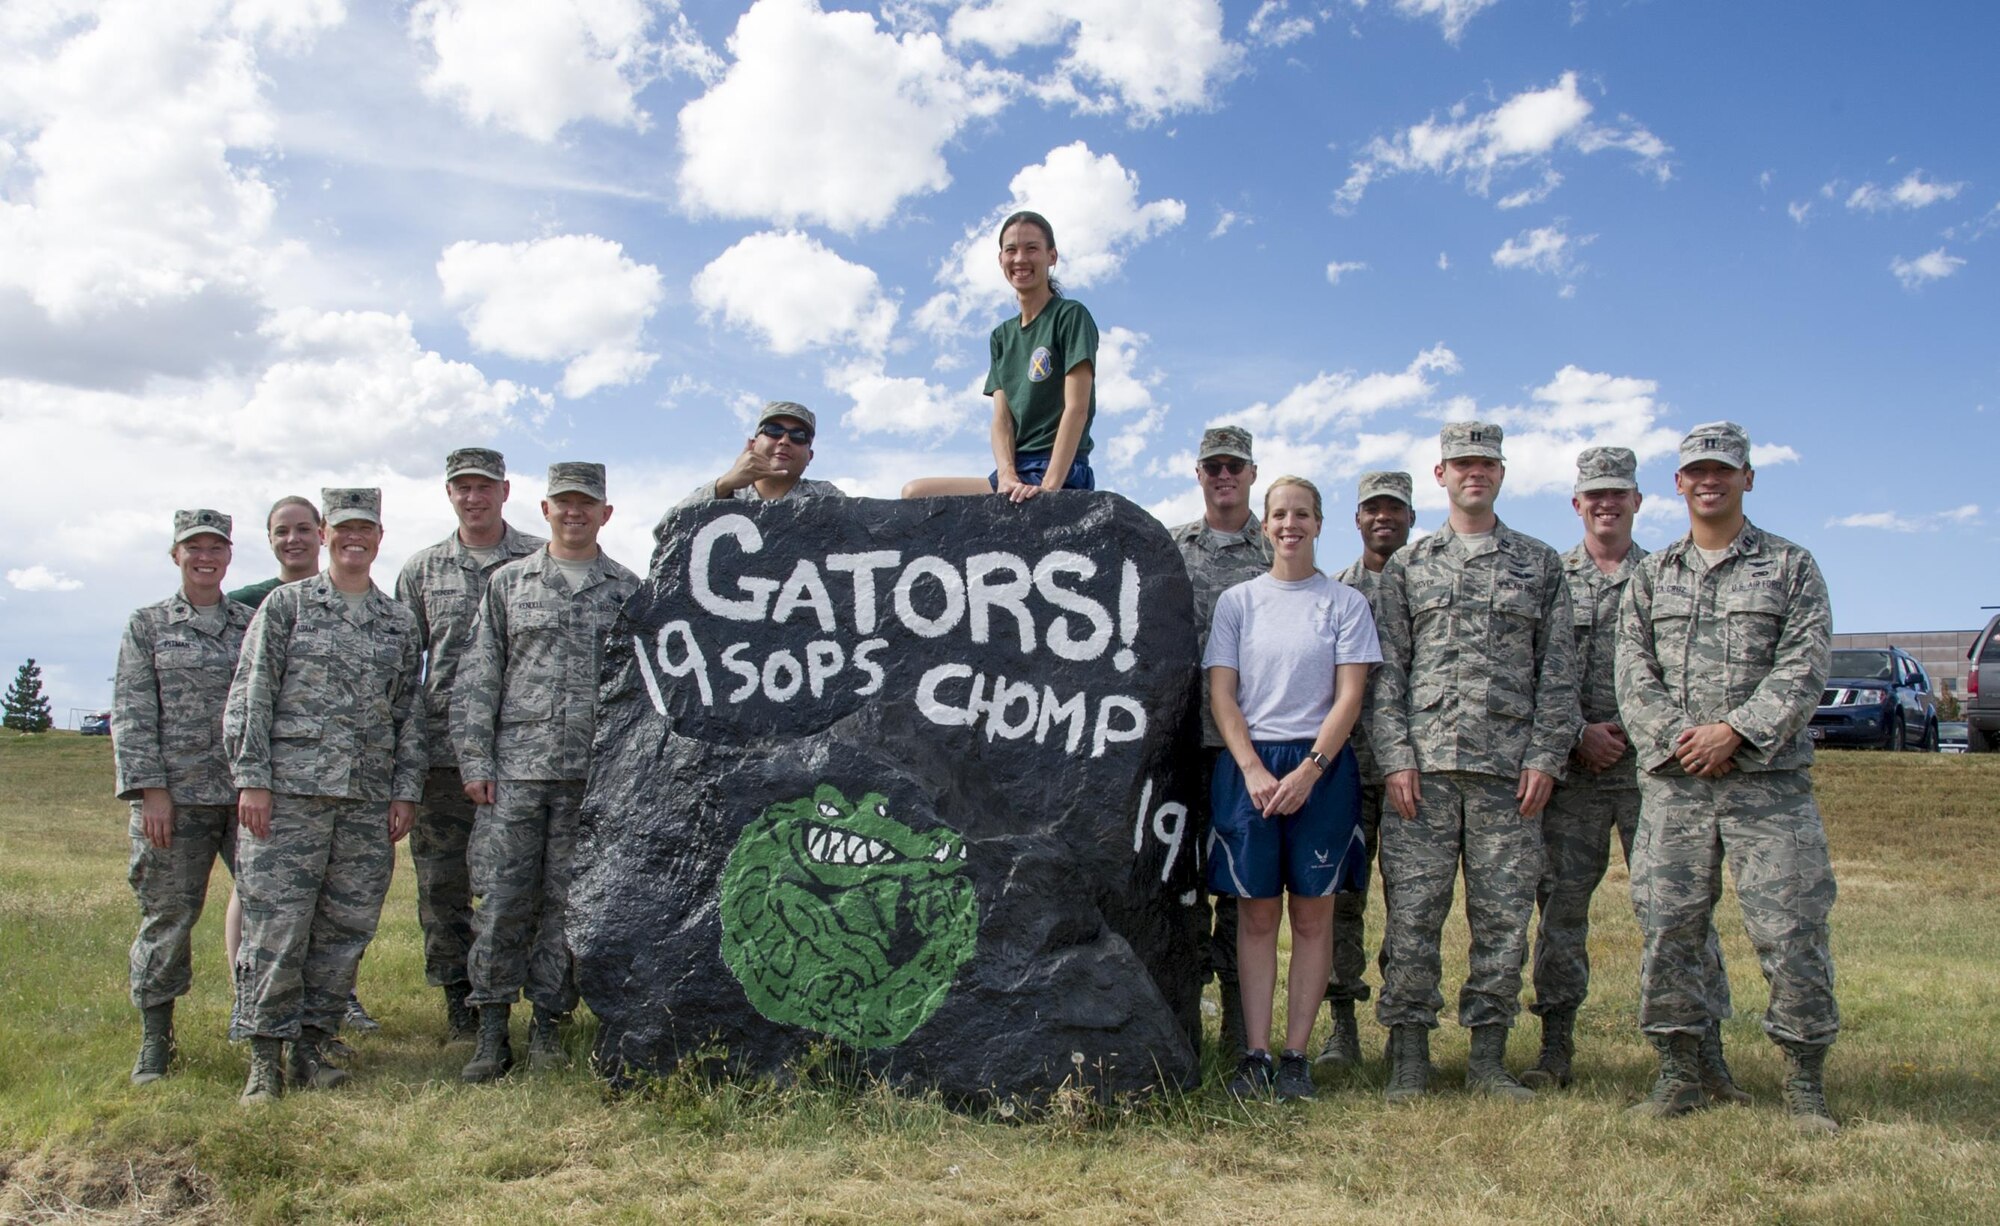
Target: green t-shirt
[(1029, 364), (255, 593)]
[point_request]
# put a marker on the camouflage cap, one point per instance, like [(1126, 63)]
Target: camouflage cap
[(576, 477), (199, 522), (1384, 485), (1722, 441), (1606, 468), (477, 462), (339, 506), (1470, 438), (1225, 440), (788, 408)]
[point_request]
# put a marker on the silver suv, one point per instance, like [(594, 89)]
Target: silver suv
[(1982, 690)]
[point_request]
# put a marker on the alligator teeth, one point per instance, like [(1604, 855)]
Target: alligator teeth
[(875, 850)]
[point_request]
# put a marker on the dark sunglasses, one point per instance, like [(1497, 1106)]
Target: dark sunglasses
[(1215, 468), (798, 434)]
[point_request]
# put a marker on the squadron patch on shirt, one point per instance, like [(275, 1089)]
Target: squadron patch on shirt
[(1041, 364)]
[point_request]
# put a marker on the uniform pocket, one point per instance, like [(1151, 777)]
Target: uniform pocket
[(1756, 617), (297, 727), (521, 706), (1507, 702)]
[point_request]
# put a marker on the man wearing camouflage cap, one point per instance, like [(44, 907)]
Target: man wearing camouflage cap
[(523, 716), (325, 734), (174, 667), (1600, 793), (1475, 715), (1723, 651), (1384, 516), (771, 466), (1223, 548), (442, 584)]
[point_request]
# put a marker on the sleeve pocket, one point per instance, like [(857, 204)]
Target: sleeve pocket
[(297, 727)]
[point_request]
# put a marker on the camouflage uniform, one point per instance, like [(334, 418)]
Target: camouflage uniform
[(174, 668), (1746, 643), (523, 715), (1477, 684), (326, 713), (1350, 960), (442, 584), (1215, 567)]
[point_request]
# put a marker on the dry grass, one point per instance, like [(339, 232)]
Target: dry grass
[(1915, 930)]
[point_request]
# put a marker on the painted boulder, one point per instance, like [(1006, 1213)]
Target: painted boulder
[(910, 777)]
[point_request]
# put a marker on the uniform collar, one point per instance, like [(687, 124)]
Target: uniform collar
[(320, 588), (1579, 561), (1199, 528), (1748, 543), (512, 544), (552, 573)]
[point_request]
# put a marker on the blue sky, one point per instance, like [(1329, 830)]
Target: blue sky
[(255, 248)]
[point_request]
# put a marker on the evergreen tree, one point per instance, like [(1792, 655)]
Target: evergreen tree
[(27, 706)]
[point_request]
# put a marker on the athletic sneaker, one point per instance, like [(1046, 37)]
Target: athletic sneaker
[(1253, 1076), (1295, 1075)]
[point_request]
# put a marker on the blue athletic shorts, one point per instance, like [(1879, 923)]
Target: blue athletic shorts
[(1312, 853), (1032, 466)]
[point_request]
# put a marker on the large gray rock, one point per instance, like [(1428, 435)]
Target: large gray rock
[(911, 776)]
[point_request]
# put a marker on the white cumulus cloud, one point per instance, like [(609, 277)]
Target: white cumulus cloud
[(825, 117), (39, 578), (1451, 15), (1094, 204), (1914, 192), (1930, 266), (1894, 521), (1524, 132), (796, 294), (1151, 57), (536, 66), (892, 404), (136, 133), (1545, 249), (1275, 25), (573, 298), (1340, 268)]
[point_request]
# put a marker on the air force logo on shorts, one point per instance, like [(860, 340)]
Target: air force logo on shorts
[(1041, 364)]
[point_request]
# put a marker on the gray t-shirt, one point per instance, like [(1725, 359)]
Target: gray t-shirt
[(574, 572), (1284, 638)]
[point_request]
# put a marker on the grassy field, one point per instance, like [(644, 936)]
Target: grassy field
[(1916, 932)]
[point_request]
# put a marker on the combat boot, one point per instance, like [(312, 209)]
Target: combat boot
[(1343, 1046), (545, 1049), (1552, 1068), (1805, 1088), (1486, 1069), (1677, 1090), (1233, 1039), (156, 1047), (461, 1019), (307, 1066), (1409, 1063), (1716, 1080), (267, 1072), (495, 1054)]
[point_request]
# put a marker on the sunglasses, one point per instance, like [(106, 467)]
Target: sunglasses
[(797, 434), (1215, 468)]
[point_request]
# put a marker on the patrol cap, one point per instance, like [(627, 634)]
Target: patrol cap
[(475, 462), (788, 408), (339, 506), (200, 522), (1722, 441), (1225, 440), (1606, 468), (576, 477), (1470, 438), (1384, 485)]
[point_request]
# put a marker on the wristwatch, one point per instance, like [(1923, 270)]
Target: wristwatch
[(1320, 760)]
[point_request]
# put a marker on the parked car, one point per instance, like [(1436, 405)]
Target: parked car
[(1982, 706), (1877, 698), (96, 725), (1951, 736)]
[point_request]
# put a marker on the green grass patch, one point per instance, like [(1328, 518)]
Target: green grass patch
[(1915, 932)]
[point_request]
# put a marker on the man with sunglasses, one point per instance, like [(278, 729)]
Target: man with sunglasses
[(771, 465), (1223, 548)]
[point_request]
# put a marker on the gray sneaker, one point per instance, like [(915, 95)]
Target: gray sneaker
[(1253, 1076), (1295, 1076)]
